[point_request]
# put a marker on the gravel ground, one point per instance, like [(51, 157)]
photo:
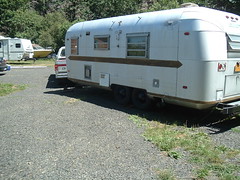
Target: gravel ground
[(47, 132)]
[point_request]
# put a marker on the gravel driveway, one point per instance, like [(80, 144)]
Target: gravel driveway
[(47, 132)]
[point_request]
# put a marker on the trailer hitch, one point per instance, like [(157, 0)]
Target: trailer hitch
[(229, 108)]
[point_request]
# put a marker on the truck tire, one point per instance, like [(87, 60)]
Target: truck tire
[(141, 99), (122, 94)]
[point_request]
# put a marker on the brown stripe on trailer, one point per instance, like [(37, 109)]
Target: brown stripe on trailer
[(145, 62)]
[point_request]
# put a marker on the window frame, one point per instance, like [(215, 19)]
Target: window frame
[(97, 44), (17, 45), (145, 44), (232, 42), (74, 46)]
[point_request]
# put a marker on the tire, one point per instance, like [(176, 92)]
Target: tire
[(141, 99), (122, 94)]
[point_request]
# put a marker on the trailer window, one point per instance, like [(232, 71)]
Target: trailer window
[(74, 46), (137, 45), (18, 45), (233, 43), (102, 42), (233, 46)]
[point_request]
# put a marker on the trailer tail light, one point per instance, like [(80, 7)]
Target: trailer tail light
[(222, 67)]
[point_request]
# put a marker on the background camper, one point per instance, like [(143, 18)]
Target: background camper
[(185, 56), (15, 48)]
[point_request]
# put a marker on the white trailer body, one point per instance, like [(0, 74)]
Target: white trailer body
[(186, 56), (16, 49)]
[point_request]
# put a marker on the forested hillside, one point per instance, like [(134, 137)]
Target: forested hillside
[(46, 21)]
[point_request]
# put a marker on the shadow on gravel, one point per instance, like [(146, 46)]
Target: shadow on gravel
[(224, 125), (168, 114), (58, 83)]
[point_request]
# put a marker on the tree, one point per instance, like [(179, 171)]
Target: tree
[(204, 3), (54, 27), (25, 24), (46, 31), (156, 5), (7, 12), (43, 7), (226, 5), (76, 10), (110, 8), (236, 6)]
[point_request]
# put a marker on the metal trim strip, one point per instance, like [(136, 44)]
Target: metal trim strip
[(131, 61)]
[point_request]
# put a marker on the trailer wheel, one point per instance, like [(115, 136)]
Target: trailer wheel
[(122, 94), (141, 99)]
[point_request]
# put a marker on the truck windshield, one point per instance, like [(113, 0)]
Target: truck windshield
[(62, 52)]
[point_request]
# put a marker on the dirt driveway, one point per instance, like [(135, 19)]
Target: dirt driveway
[(47, 132)]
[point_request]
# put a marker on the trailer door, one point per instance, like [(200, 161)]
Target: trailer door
[(1, 48), (232, 81), (5, 49)]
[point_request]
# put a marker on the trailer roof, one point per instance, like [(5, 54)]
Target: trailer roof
[(219, 18)]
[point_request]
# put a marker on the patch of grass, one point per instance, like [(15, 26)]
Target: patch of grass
[(6, 89), (165, 175), (202, 173), (225, 171), (140, 122), (236, 130), (38, 62), (211, 159), (174, 154)]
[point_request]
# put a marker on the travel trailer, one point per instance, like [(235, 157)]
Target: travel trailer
[(186, 56), (15, 48)]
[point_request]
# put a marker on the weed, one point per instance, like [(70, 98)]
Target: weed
[(165, 175), (6, 89), (222, 148), (174, 154), (141, 122), (202, 173), (225, 171), (236, 130)]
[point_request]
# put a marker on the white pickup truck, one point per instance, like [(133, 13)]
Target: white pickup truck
[(60, 64)]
